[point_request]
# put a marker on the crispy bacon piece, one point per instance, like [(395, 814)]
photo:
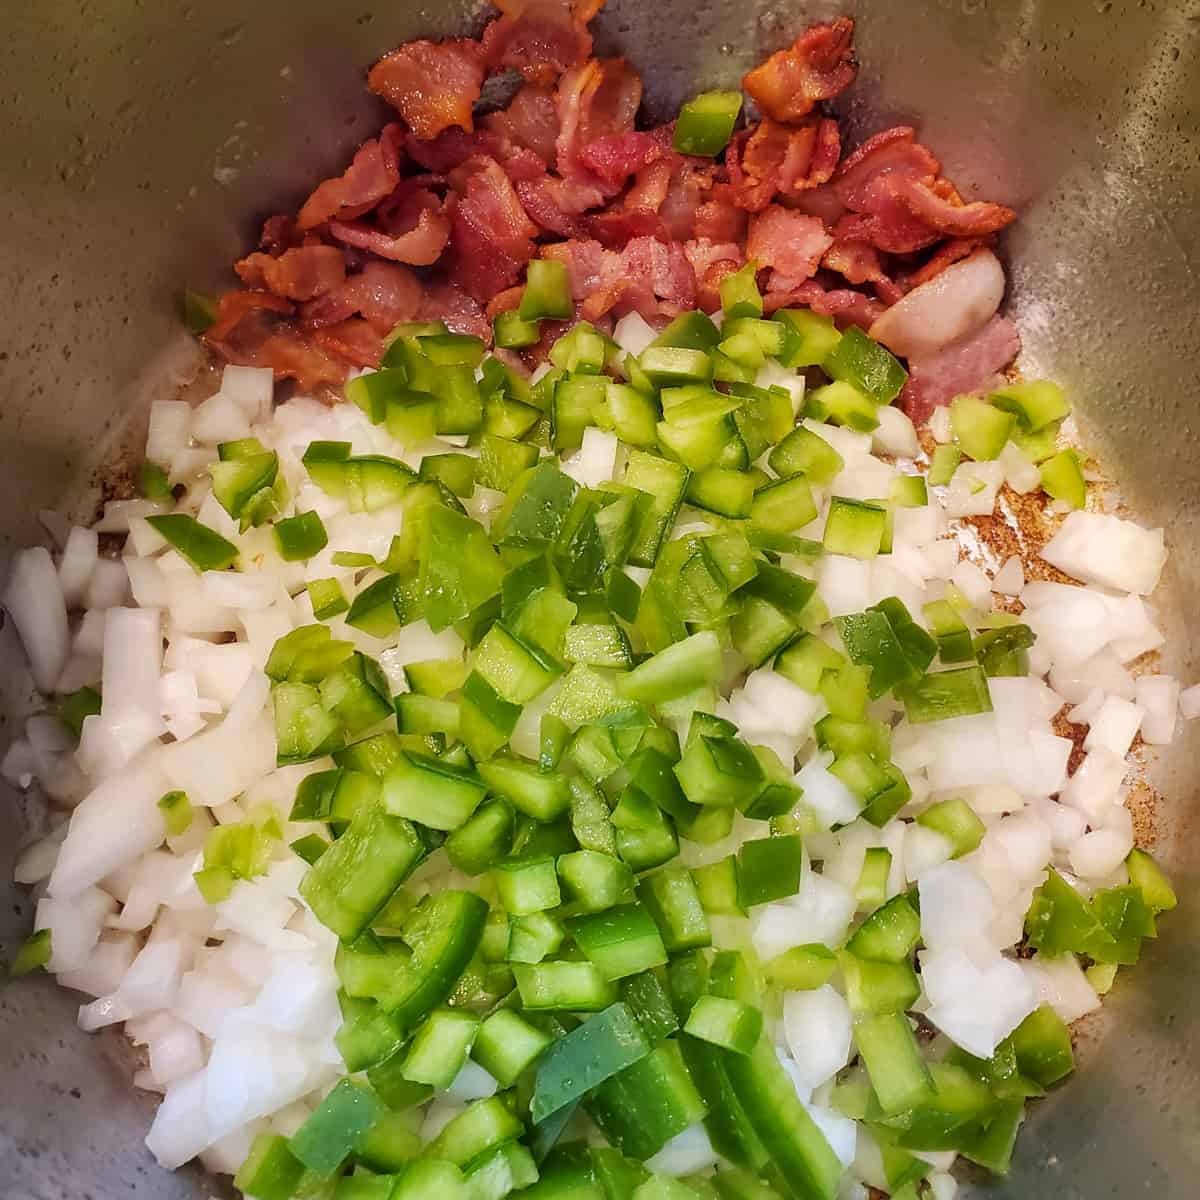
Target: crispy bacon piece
[(448, 302), (845, 306), (595, 100), (252, 330), (892, 183), (419, 246), (720, 220), (946, 255), (491, 236), (539, 38), (530, 121), (618, 155), (940, 207), (278, 234), (650, 277), (355, 340), (859, 262), (891, 151), (790, 243), (371, 176), (452, 147), (711, 262), (383, 293), (692, 183), (818, 65), (504, 301), (432, 85), (651, 186), (774, 159), (298, 274), (615, 227), (963, 366), (410, 228)]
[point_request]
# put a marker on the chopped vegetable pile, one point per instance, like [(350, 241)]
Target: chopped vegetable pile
[(612, 780)]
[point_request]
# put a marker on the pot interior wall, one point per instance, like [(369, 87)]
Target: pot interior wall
[(142, 143)]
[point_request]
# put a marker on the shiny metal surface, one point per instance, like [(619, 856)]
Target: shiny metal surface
[(140, 144)]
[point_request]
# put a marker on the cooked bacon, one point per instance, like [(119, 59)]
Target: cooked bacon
[(692, 183), (720, 220), (821, 201), (234, 307), (845, 306), (595, 100), (354, 339), (892, 182), (859, 262), (370, 177), (504, 301), (711, 262), (541, 202), (411, 227), (963, 366), (491, 236), (650, 277), (940, 207), (615, 157), (452, 147), (449, 303), (278, 234), (539, 38), (433, 85), (946, 255), (650, 186), (891, 151), (383, 293), (419, 247), (790, 243), (950, 307), (298, 274), (818, 65), (616, 226), (774, 159), (891, 228), (530, 121), (252, 330)]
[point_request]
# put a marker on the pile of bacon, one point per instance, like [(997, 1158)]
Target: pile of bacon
[(438, 216)]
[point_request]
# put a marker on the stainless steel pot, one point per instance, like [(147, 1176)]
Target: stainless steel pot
[(141, 143)]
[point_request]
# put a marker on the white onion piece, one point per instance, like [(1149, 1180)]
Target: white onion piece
[(828, 797), (251, 389), (34, 599), (79, 559), (1109, 551), (895, 434), (685, 1153), (1158, 698), (1098, 854), (1061, 983), (168, 431), (472, 1083), (1114, 727), (816, 1025), (956, 906), (219, 419), (633, 333), (1019, 473), (116, 823), (596, 459), (973, 489), (1010, 579)]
